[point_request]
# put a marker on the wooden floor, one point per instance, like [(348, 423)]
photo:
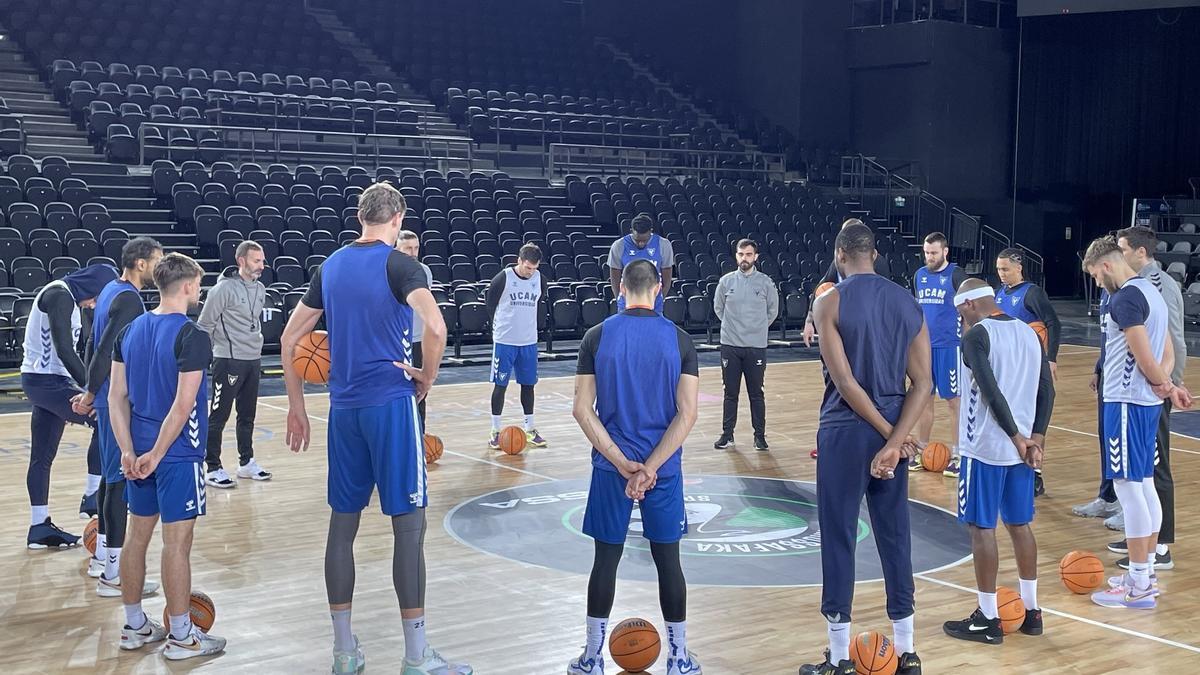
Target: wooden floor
[(259, 554)]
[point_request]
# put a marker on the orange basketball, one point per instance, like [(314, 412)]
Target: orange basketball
[(873, 654), (1012, 610), (1082, 572), (202, 609), (312, 357), (433, 448), (90, 534), (823, 289), (1043, 335), (935, 457), (634, 645), (512, 440)]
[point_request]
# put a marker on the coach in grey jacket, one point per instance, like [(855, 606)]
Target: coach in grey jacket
[(232, 316), (746, 302)]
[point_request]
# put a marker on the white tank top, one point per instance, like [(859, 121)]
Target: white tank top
[(40, 356), (1124, 382), (1016, 359), (515, 323)]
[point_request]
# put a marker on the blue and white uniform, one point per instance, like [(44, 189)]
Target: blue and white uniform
[(658, 251), (514, 304), (935, 293)]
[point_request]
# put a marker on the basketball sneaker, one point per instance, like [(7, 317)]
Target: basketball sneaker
[(1097, 508), (1039, 485), (95, 567), (1119, 547), (49, 535), (687, 665), (814, 453), (1032, 625), (220, 479), (585, 665), (253, 471), (494, 440), (1162, 561), (951, 468), (197, 643), (914, 464), (147, 634), (843, 667), (1119, 580), (908, 664), (976, 628), (534, 440), (1127, 596), (432, 663), (1116, 522), (112, 589), (89, 506), (760, 443), (725, 441), (353, 661)]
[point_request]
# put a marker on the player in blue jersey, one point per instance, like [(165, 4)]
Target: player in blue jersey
[(368, 293), (934, 285), (641, 244), (158, 406), (636, 389), (118, 304)]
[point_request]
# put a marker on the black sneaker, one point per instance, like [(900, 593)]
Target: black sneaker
[(88, 506), (724, 441), (908, 664), (1119, 547), (843, 667), (1161, 562), (760, 442), (49, 535), (1033, 622), (976, 628), (1039, 486)]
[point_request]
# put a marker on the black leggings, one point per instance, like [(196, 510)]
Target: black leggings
[(50, 396), (672, 589), (526, 399)]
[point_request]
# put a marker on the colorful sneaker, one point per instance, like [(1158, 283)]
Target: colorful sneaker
[(1126, 596), (1033, 622), (687, 665), (725, 441), (951, 468), (432, 663), (585, 665), (112, 589), (89, 506), (494, 440), (1119, 580), (353, 661), (220, 479), (95, 567), (197, 643), (814, 453), (976, 628), (253, 471), (147, 634), (49, 535), (843, 667), (908, 664), (534, 440), (1097, 508), (914, 464)]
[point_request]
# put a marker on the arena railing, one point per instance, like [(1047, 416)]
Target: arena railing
[(424, 111), (10, 126), (568, 158)]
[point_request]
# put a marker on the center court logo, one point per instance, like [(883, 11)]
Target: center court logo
[(742, 531)]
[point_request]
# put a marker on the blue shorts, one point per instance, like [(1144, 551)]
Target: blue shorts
[(110, 452), (1130, 431), (987, 490), (945, 372), (378, 446), (507, 358), (608, 514), (174, 492)]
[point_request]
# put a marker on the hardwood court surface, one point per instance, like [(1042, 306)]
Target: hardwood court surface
[(259, 554)]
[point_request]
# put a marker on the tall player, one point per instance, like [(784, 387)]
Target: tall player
[(409, 244), (1138, 358), (934, 287), (158, 405), (636, 391), (872, 338), (641, 244), (368, 292), (513, 300), (1002, 428)]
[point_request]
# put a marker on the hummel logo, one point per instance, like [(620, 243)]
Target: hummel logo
[(191, 505)]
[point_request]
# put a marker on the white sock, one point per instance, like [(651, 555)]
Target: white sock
[(112, 564), (529, 423), (495, 423), (839, 641), (677, 638), (987, 603), (181, 626), (596, 628), (1029, 593), (135, 618), (1140, 573), (902, 635), (343, 637), (93, 484), (101, 547), (414, 639), (1161, 549), (38, 514)]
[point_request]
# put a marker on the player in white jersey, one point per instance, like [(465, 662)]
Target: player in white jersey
[(1138, 359), (513, 301), (1007, 400)]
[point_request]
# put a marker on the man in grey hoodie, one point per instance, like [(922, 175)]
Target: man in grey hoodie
[(232, 316)]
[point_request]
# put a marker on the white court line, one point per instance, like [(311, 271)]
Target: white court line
[(1173, 433), (1065, 615)]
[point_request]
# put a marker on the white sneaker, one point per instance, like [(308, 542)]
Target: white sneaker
[(134, 639), (112, 589), (198, 643), (1097, 508), (253, 471), (95, 567), (432, 663), (349, 662), (585, 665), (688, 665), (1116, 522), (220, 479)]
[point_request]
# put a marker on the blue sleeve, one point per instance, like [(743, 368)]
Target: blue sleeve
[(1128, 308)]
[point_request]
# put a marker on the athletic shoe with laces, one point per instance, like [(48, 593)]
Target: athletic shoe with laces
[(253, 471), (1032, 625), (1097, 508), (534, 440), (95, 567), (976, 628), (760, 443), (494, 440), (908, 664), (1039, 485), (112, 589), (220, 479), (1119, 547), (1116, 522), (149, 633), (348, 662), (843, 667), (688, 664), (49, 535), (951, 468), (89, 506), (1161, 562), (914, 464), (1119, 580), (432, 663), (725, 441), (197, 643), (585, 665), (1127, 596)]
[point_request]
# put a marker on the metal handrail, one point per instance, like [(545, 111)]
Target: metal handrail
[(325, 99), (424, 111), (548, 136), (602, 118), (657, 161), (20, 127)]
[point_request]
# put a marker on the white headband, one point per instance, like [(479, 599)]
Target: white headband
[(974, 294)]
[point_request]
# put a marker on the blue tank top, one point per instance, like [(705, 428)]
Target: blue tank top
[(634, 353), (1011, 301), (103, 302), (152, 375), (368, 328), (935, 293), (652, 252), (877, 320)]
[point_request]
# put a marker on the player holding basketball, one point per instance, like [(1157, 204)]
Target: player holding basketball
[(872, 338), (636, 390), (641, 244), (934, 287), (1138, 359), (1001, 431), (158, 405), (409, 244), (368, 292), (513, 300)]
